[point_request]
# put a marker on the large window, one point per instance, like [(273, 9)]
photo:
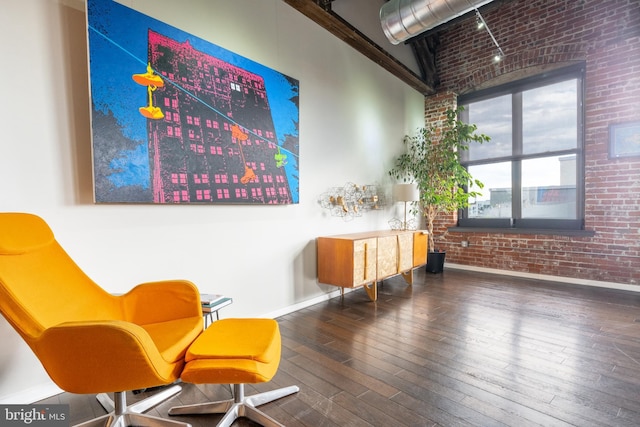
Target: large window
[(532, 169)]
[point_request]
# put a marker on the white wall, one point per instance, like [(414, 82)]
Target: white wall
[(365, 16), (353, 115)]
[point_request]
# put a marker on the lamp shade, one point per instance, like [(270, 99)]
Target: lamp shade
[(406, 192)]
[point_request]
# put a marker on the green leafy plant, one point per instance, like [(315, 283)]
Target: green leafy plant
[(432, 161)]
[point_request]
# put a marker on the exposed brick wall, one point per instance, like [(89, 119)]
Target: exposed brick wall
[(536, 36)]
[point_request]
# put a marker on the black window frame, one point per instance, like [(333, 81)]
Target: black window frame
[(515, 89)]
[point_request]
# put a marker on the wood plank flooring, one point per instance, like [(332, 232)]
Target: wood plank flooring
[(454, 349)]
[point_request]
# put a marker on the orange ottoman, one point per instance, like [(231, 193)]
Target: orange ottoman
[(238, 352)]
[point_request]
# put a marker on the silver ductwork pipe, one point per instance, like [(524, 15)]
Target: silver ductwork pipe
[(403, 19)]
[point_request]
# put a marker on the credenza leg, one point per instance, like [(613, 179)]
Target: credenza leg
[(408, 276), (372, 291)]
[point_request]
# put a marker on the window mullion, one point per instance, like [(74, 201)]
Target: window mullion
[(516, 164), (580, 166)]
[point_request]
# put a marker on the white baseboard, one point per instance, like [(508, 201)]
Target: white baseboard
[(546, 277), (568, 280), (308, 303), (31, 395)]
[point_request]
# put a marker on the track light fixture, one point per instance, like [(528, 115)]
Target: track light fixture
[(479, 20), (483, 24)]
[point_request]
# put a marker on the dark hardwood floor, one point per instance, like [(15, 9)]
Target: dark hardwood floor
[(454, 349)]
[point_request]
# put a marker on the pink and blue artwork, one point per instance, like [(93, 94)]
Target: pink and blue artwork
[(179, 120)]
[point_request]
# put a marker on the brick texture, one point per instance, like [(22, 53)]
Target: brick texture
[(537, 36)]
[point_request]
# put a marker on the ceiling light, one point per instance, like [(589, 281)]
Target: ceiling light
[(479, 21), (483, 24)]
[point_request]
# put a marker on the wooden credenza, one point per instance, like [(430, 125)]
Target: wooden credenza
[(363, 259)]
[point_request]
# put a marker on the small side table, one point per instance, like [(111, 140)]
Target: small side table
[(209, 310)]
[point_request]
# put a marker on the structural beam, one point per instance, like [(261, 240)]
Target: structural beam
[(349, 34)]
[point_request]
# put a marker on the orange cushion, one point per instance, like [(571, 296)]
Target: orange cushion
[(253, 339), (234, 351), (173, 337), (228, 371)]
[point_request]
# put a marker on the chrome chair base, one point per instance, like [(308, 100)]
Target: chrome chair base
[(121, 415), (239, 406)]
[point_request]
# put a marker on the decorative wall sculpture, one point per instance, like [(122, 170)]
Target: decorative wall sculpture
[(351, 200), (176, 119)]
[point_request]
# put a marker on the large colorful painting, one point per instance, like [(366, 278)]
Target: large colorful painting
[(177, 119)]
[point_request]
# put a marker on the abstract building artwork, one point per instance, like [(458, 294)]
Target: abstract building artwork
[(177, 119)]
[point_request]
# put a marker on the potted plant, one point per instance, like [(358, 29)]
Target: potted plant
[(432, 161)]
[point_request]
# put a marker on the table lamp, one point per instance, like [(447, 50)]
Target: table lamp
[(405, 193)]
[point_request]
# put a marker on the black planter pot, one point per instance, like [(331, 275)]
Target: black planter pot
[(435, 262)]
